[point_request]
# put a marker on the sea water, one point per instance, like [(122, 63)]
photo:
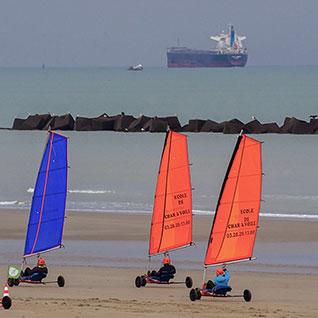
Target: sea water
[(115, 171)]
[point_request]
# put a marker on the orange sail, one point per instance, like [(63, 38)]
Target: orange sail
[(236, 217), (171, 226)]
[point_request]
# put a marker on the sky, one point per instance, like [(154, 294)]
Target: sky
[(78, 33)]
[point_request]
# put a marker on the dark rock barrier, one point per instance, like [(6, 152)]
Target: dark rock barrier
[(129, 123)]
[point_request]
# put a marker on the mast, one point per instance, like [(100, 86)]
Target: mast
[(171, 226), (46, 220), (235, 222)]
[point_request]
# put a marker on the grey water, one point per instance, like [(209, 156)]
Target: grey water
[(117, 171), (270, 257)]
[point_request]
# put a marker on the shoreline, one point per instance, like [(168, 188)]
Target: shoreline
[(114, 226)]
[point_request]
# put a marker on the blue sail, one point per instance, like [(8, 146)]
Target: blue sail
[(46, 221)]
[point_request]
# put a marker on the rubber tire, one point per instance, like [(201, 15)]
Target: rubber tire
[(209, 284), (247, 295), (193, 295), (138, 281), (10, 282), (6, 302), (61, 281), (143, 281), (198, 291), (16, 282), (188, 281)]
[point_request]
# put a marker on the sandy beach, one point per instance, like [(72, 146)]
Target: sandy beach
[(110, 292)]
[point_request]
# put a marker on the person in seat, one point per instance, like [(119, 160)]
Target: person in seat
[(166, 272), (222, 277), (36, 273), (221, 280)]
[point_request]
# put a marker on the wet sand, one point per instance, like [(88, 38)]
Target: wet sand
[(110, 292), (123, 227)]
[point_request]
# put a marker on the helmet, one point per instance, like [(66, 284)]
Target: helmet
[(219, 271), (166, 260), (41, 262)]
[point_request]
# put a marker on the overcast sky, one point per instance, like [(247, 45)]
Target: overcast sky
[(127, 32)]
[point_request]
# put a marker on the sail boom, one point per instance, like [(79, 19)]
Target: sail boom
[(231, 262), (44, 251)]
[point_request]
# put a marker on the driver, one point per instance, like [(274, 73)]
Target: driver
[(166, 269), (222, 278), (39, 269)]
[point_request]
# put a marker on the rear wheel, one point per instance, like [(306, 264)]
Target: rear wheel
[(10, 282), (143, 281), (188, 281), (138, 282), (6, 302), (209, 284), (198, 291), (61, 281), (193, 295), (247, 295), (16, 282)]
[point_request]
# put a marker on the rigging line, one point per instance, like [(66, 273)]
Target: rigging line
[(42, 206), (61, 168), (54, 193), (165, 201)]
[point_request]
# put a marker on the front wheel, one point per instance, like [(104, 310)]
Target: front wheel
[(193, 295), (189, 282), (143, 281), (198, 291), (247, 295), (6, 302), (10, 282), (138, 282), (61, 281), (16, 282)]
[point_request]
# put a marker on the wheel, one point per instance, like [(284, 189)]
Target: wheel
[(16, 282), (6, 302), (189, 282), (247, 295), (198, 291), (193, 295), (138, 282), (61, 281), (10, 282), (210, 284), (143, 281)]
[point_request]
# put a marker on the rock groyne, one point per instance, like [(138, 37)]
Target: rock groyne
[(129, 123)]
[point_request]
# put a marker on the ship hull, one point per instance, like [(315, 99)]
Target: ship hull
[(196, 58)]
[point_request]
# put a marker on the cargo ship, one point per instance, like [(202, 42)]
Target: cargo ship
[(228, 52)]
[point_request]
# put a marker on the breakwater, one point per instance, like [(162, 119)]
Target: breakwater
[(129, 123)]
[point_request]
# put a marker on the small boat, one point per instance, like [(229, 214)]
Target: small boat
[(235, 222), (47, 214), (138, 67), (171, 226)]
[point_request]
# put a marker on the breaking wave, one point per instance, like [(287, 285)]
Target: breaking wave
[(31, 190)]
